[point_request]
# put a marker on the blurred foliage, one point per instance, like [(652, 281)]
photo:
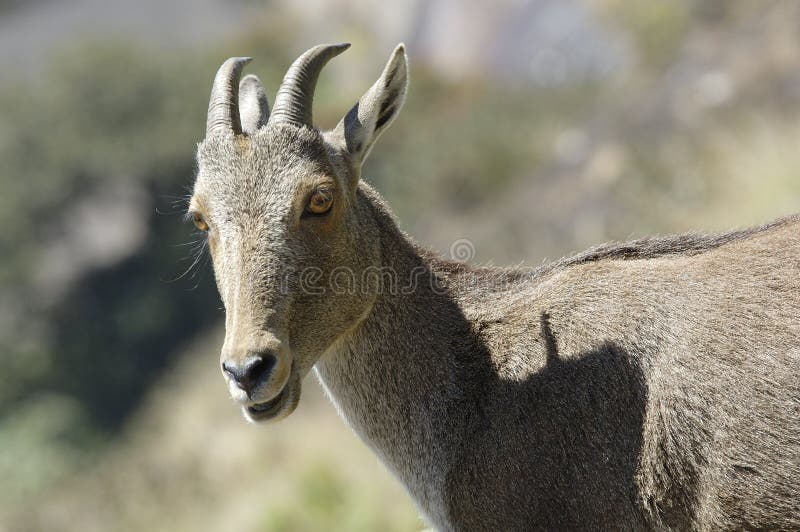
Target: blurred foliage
[(491, 141), (699, 131), (105, 115), (324, 497), (657, 28)]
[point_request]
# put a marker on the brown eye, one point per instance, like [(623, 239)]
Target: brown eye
[(199, 222), (320, 201)]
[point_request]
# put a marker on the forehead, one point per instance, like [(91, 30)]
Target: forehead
[(274, 161)]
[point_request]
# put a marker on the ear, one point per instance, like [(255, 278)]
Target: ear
[(363, 124), (253, 105)]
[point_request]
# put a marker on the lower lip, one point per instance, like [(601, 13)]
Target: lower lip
[(268, 408)]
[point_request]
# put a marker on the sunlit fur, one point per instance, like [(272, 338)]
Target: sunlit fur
[(647, 385)]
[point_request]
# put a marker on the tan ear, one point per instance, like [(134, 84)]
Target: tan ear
[(363, 124), (253, 105)]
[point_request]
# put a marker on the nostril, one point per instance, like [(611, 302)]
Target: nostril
[(258, 368), (230, 369), (253, 371)]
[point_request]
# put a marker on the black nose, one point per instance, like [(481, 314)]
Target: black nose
[(253, 370)]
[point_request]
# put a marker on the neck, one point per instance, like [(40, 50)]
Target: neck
[(393, 377)]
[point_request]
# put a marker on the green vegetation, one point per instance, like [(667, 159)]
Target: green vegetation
[(111, 410), (84, 335), (324, 497)]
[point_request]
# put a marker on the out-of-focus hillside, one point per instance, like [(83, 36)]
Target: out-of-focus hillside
[(534, 128)]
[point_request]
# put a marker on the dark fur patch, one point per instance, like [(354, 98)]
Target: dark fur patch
[(351, 118), (390, 78), (388, 101), (653, 247), (551, 348), (385, 117)]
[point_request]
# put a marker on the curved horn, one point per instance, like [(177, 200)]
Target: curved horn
[(296, 93), (223, 107)]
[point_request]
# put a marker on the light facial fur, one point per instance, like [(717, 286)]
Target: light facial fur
[(653, 384)]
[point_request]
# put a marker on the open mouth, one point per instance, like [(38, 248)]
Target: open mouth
[(266, 409)]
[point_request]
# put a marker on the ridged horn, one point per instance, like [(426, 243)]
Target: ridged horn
[(296, 93), (223, 107)]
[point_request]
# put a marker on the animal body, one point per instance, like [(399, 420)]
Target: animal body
[(648, 385)]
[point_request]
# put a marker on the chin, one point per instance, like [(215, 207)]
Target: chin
[(277, 408)]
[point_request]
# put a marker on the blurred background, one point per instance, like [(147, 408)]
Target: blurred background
[(534, 128)]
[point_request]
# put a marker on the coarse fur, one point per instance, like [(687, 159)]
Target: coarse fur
[(648, 385)]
